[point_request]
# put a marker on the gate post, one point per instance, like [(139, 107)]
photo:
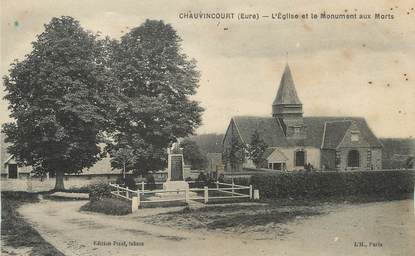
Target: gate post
[(134, 204), (250, 192), (206, 194)]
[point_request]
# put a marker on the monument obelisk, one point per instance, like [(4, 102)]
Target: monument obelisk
[(175, 177)]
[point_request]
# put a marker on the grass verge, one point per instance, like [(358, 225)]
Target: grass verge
[(233, 217), (15, 231)]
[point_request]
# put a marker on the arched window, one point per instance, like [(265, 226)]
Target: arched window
[(299, 158), (353, 158)]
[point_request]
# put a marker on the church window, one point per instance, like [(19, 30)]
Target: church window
[(353, 158), (337, 159), (300, 158)]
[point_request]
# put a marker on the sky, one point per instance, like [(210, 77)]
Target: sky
[(340, 67)]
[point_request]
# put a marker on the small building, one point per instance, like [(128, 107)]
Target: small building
[(296, 142), (14, 177)]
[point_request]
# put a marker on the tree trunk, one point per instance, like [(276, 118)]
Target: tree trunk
[(59, 186)]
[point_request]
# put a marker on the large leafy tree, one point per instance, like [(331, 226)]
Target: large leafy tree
[(256, 149), (155, 80), (192, 154), (58, 96)]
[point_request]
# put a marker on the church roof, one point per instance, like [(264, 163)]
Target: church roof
[(286, 92), (271, 132), (334, 133)]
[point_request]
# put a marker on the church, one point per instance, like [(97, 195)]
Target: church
[(295, 142)]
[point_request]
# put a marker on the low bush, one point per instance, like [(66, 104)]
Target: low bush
[(110, 206), (127, 182), (327, 184), (99, 191), (244, 181), (202, 180), (151, 182)]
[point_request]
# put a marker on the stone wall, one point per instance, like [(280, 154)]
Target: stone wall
[(37, 184), (364, 164)]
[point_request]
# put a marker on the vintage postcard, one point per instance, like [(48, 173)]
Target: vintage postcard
[(207, 127)]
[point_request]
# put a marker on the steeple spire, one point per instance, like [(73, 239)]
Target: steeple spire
[(286, 92)]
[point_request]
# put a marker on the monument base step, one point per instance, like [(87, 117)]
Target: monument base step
[(172, 195)]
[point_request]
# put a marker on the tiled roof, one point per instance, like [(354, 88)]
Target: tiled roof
[(334, 133), (268, 128), (286, 91), (102, 166), (271, 132)]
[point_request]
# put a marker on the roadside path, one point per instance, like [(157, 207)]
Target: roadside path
[(81, 233)]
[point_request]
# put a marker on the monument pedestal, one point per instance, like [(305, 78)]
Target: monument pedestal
[(172, 186), (175, 185)]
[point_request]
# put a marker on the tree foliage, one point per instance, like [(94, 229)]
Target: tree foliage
[(256, 149), (56, 97), (192, 154), (234, 155), (154, 80), (209, 143)]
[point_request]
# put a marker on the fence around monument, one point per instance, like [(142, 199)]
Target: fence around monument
[(142, 196)]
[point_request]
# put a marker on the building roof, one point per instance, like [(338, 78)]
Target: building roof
[(102, 166), (334, 132), (286, 91), (271, 132), (268, 128), (276, 156)]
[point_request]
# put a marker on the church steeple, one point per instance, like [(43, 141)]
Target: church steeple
[(286, 92), (287, 107)]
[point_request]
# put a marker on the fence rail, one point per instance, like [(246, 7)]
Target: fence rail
[(140, 197)]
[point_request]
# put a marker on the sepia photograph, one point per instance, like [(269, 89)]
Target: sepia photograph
[(191, 127)]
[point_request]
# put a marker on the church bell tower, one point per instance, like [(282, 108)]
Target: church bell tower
[(287, 107)]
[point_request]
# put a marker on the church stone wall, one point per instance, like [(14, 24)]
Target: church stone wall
[(377, 158), (328, 157), (369, 159), (312, 157)]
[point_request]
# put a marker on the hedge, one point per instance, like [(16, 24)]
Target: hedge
[(110, 206), (99, 191), (327, 184)]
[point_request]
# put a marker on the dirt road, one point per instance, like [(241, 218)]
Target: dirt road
[(384, 228)]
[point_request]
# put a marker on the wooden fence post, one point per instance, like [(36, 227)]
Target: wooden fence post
[(206, 194), (142, 186), (256, 194), (217, 185), (186, 194), (250, 192), (118, 192), (138, 198)]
